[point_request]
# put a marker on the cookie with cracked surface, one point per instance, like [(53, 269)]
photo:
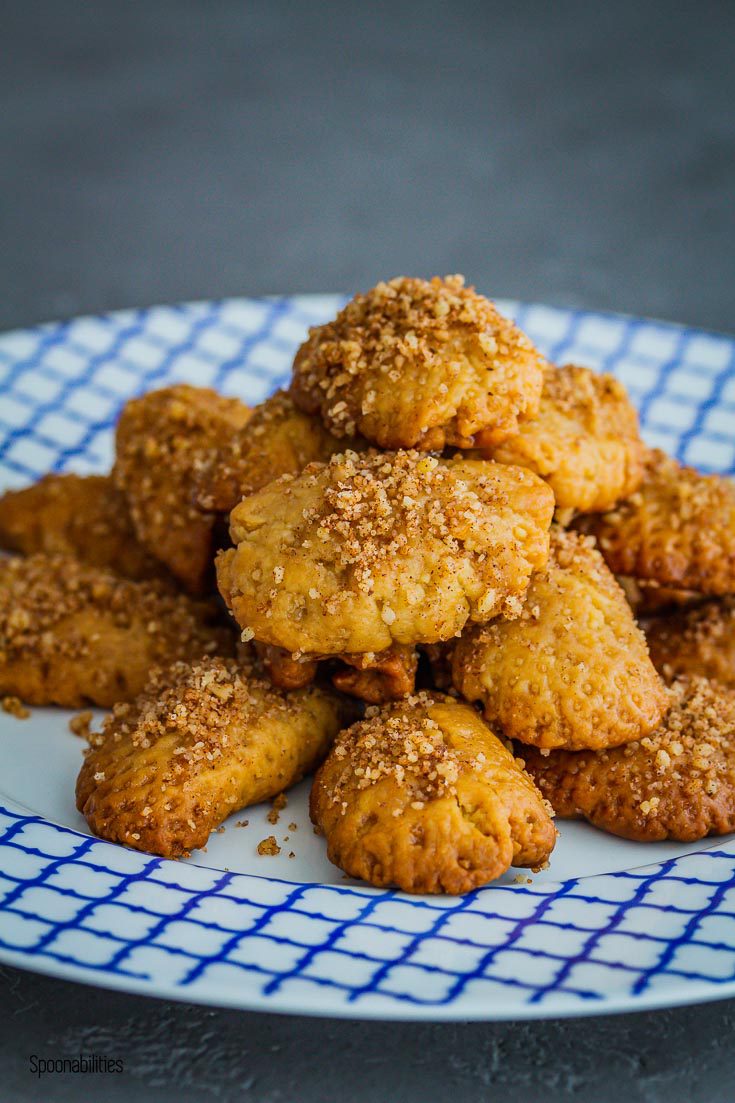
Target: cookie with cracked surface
[(368, 551), (72, 634), (419, 364), (695, 641), (423, 796), (584, 440), (200, 742), (676, 783), (83, 516), (573, 670), (163, 439), (678, 529)]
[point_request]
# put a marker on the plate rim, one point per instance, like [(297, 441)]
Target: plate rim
[(389, 1007)]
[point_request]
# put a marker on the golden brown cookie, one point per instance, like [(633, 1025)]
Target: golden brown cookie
[(677, 529), (700, 641), (70, 634), (419, 364), (573, 670), (163, 440), (367, 551), (422, 795), (584, 440), (85, 517), (677, 783), (197, 744), (279, 439)]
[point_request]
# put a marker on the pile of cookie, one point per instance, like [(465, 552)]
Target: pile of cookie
[(443, 573)]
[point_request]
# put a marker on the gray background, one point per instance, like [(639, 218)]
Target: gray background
[(156, 151)]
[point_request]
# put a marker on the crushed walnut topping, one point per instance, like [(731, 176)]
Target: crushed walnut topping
[(692, 752), (277, 805), (269, 847), (80, 724), (39, 594), (14, 707), (408, 747), (404, 326), (375, 508), (199, 703)]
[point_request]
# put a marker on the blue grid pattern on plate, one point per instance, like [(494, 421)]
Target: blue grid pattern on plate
[(72, 900), (82, 902), (62, 385)]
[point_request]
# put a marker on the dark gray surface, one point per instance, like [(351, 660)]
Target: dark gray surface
[(168, 150), (187, 1054), (158, 151)]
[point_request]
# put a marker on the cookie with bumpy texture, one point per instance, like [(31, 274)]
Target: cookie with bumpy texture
[(584, 440), (573, 670), (676, 783), (72, 634), (200, 742), (419, 364), (83, 516), (694, 641), (279, 439), (368, 551), (163, 439), (423, 796), (678, 529)]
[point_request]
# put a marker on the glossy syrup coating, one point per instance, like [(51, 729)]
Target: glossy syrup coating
[(72, 634), (368, 551), (163, 439), (676, 783), (700, 640), (82, 516), (573, 670), (419, 364), (423, 796)]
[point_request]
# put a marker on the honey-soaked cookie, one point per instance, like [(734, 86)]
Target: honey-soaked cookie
[(678, 529), (419, 364), (163, 440), (676, 783), (387, 676), (279, 439), (584, 440), (573, 670), (71, 634), (700, 640), (368, 551), (82, 516), (423, 796), (201, 741)]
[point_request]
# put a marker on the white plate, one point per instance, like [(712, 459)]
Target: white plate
[(610, 926)]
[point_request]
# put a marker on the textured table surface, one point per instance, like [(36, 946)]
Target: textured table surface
[(180, 150)]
